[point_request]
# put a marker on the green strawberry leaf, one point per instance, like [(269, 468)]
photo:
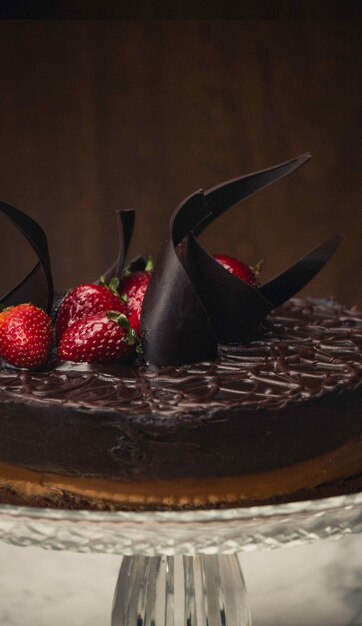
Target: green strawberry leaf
[(122, 321), (112, 285), (150, 266), (257, 268)]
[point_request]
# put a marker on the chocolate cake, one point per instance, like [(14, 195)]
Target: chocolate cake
[(264, 420), (256, 406)]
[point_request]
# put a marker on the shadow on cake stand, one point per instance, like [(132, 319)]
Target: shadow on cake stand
[(182, 567)]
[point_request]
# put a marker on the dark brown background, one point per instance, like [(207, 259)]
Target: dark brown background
[(99, 115)]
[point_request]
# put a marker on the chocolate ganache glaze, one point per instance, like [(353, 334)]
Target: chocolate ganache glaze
[(292, 393)]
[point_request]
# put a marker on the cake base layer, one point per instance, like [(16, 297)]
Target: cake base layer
[(32, 487), (72, 502)]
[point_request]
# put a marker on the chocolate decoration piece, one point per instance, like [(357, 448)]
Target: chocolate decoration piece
[(234, 308), (288, 283), (126, 221), (174, 322), (292, 394), (37, 286), (192, 303), (227, 194)]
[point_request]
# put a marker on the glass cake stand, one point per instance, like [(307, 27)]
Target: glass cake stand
[(181, 567)]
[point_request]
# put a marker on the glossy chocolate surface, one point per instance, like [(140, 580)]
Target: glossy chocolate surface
[(292, 393)]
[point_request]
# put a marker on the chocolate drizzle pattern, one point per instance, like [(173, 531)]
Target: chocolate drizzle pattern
[(304, 349)]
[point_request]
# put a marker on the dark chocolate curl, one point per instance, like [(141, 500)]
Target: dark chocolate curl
[(175, 326), (288, 283), (192, 302), (234, 308), (224, 196), (126, 221), (37, 286)]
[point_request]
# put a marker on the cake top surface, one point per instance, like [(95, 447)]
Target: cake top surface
[(304, 349)]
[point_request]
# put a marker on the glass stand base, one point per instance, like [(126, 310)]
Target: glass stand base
[(203, 590)]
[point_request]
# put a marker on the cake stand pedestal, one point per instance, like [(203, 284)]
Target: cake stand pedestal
[(181, 590), (180, 568)]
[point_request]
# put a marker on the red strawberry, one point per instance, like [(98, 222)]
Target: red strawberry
[(102, 338), (239, 269), (133, 290), (86, 301), (25, 335)]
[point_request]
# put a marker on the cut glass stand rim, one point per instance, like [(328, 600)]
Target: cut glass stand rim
[(183, 516), (189, 532)]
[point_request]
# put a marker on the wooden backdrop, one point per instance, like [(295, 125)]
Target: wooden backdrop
[(100, 115)]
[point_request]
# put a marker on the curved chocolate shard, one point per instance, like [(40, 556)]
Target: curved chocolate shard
[(37, 286), (126, 220), (192, 302), (234, 308), (288, 283), (227, 194), (174, 324)]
